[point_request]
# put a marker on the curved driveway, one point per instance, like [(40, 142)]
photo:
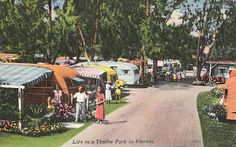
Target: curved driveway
[(159, 117)]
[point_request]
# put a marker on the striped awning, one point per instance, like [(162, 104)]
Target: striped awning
[(19, 75), (90, 72)]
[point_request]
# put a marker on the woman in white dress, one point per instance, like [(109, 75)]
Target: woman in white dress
[(108, 92)]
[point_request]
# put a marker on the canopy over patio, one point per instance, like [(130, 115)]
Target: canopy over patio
[(90, 72), (22, 76), (61, 73), (15, 76)]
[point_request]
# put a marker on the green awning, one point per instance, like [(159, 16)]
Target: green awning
[(20, 75)]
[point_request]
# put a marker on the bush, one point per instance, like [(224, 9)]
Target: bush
[(217, 112), (34, 115), (8, 104), (201, 83), (36, 122), (217, 92), (220, 112), (148, 79)]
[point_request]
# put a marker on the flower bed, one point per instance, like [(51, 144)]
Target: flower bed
[(35, 121), (43, 130), (12, 127), (8, 126)]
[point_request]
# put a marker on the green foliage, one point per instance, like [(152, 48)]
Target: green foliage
[(119, 28), (27, 30), (225, 46), (124, 28), (9, 139), (217, 92), (215, 134), (220, 112), (8, 103), (34, 115)]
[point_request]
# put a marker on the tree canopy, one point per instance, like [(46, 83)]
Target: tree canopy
[(118, 28)]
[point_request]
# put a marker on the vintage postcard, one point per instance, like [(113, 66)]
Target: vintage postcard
[(127, 73)]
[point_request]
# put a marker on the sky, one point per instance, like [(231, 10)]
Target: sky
[(59, 3)]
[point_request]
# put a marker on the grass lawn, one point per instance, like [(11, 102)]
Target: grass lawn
[(215, 134), (56, 140)]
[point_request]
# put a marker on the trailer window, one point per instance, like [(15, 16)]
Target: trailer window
[(114, 67), (125, 71)]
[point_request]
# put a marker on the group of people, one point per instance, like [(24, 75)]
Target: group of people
[(174, 74), (54, 98), (171, 76), (83, 96), (108, 91)]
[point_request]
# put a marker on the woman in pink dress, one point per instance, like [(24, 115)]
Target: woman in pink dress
[(100, 112), (57, 94)]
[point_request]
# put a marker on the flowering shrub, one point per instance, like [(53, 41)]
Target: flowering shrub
[(64, 112), (8, 126), (217, 112), (36, 122), (43, 130)]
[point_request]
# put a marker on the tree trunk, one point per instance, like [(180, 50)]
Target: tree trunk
[(199, 69), (203, 54), (147, 7), (83, 41), (155, 69), (50, 10), (77, 56), (198, 76), (96, 26), (142, 65)]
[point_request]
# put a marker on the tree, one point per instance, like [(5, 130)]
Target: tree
[(155, 26), (88, 13), (225, 48), (35, 32), (207, 17), (118, 33)]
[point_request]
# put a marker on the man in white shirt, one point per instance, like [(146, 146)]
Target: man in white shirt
[(81, 98)]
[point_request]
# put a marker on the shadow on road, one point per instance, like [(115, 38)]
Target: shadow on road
[(107, 122), (173, 86)]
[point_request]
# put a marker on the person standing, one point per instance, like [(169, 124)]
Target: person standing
[(81, 98), (179, 76), (168, 74), (118, 91), (100, 112), (57, 95), (50, 102), (108, 92)]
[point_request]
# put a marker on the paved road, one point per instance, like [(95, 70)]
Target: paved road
[(159, 117)]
